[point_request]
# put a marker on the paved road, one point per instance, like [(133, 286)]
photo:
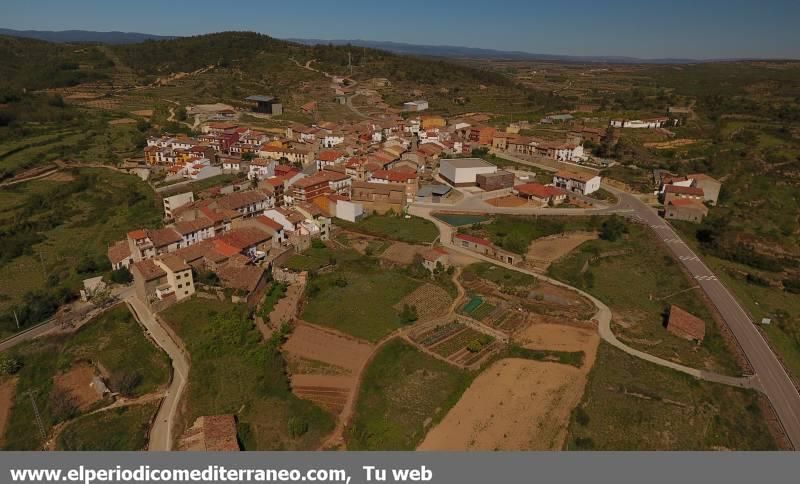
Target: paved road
[(602, 316), (774, 381), (161, 434)]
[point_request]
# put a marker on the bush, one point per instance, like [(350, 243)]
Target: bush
[(581, 417), (10, 366), (791, 285), (408, 314), (317, 244), (613, 228), (297, 427), (126, 382), (757, 280), (121, 276)]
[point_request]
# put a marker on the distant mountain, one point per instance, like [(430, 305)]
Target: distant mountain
[(455, 52), (65, 36)]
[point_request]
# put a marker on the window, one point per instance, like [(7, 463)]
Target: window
[(179, 286)]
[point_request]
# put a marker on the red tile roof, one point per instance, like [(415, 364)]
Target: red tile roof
[(329, 155), (119, 251), (263, 219), (677, 189), (434, 254), (137, 234), (538, 190), (685, 325), (472, 238), (571, 175), (395, 176)]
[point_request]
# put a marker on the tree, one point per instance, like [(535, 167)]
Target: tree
[(121, 276), (249, 156), (408, 314), (613, 228), (10, 366)]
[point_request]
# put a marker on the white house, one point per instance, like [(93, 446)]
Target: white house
[(176, 201), (652, 123), (261, 169), (350, 211), (418, 105), (332, 139), (577, 182)]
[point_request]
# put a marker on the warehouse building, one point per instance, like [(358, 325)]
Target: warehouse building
[(463, 172)]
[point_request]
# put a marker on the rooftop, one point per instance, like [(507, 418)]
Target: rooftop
[(467, 163)]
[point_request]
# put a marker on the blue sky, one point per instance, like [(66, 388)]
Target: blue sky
[(678, 28)]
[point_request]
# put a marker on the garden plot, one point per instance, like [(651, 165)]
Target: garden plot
[(429, 299), (324, 365), (459, 344), (520, 404)]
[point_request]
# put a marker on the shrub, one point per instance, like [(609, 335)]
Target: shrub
[(581, 417), (121, 276), (613, 228), (297, 427), (10, 366)]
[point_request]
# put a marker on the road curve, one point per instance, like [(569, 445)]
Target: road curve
[(161, 433), (773, 379), (602, 316)]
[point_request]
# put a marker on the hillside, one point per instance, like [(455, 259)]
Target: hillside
[(71, 36)]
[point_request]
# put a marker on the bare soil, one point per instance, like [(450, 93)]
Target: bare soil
[(8, 389), (326, 365), (520, 404), (543, 252), (78, 382), (512, 201), (401, 253)]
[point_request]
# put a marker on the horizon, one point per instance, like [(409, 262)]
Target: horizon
[(716, 30)]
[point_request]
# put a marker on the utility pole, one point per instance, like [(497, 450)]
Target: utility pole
[(37, 415), (44, 271), (350, 63), (16, 318)]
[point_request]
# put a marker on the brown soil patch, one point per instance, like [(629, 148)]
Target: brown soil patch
[(147, 113), (8, 390), (314, 343), (121, 121), (78, 382), (519, 404), (60, 176), (429, 299), (543, 252), (512, 201), (401, 253), (326, 365)]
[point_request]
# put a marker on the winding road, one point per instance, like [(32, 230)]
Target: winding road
[(770, 377), (161, 438)]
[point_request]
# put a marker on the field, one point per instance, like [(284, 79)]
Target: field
[(544, 251), (234, 372), (520, 404), (622, 275), (118, 429), (401, 253), (413, 230), (403, 393), (429, 300), (115, 345), (323, 365), (358, 298), (630, 404), (515, 233), (55, 234)]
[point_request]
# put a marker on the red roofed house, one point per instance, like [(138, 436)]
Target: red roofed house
[(329, 157), (436, 258), (685, 325), (673, 192), (485, 247), (541, 193), (407, 177), (212, 433)]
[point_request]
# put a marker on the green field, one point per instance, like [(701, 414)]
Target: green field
[(638, 285), (515, 233), (113, 341), (54, 234), (630, 404), (235, 372), (119, 429), (357, 298), (403, 394), (413, 230), (500, 275), (459, 219)]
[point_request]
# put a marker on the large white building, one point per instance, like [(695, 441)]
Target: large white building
[(462, 172)]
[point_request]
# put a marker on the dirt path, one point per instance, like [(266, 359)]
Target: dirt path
[(602, 316)]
